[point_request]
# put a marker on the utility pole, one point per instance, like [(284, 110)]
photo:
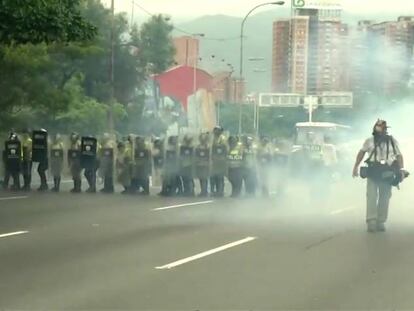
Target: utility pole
[(111, 71)]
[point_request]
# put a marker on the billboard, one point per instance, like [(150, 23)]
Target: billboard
[(317, 4), (279, 100)]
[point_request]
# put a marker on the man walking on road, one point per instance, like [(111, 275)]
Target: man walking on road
[(384, 165)]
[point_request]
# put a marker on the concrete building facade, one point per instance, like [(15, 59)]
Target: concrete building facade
[(187, 51)]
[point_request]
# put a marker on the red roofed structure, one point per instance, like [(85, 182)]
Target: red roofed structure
[(178, 83)]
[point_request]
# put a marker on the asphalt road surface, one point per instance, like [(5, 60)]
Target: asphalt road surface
[(64, 251)]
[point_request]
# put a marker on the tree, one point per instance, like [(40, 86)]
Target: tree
[(156, 48), (38, 21), (66, 85)]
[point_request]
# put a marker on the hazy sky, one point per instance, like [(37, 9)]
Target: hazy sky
[(194, 8)]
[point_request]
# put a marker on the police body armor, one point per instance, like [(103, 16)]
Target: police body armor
[(235, 158), (248, 158), (39, 146), (73, 156), (13, 153), (56, 160), (89, 147)]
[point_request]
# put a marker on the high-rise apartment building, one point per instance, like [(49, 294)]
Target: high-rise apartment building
[(312, 59), (280, 56), (391, 49), (381, 56)]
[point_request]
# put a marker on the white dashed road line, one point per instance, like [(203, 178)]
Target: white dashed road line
[(182, 205), (13, 198), (5, 235), (206, 253), (340, 211)]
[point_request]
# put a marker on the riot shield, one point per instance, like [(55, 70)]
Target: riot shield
[(202, 153), (13, 153), (89, 147), (73, 155), (39, 146)]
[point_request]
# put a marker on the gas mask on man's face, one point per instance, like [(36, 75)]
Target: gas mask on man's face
[(380, 128)]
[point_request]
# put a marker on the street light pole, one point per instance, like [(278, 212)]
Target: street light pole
[(111, 71), (196, 59), (241, 52)]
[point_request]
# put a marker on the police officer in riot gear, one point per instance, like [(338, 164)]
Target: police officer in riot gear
[(235, 166), (89, 161), (249, 165), (40, 155), (124, 165), (158, 158), (12, 161), (186, 165), (107, 162), (74, 153), (219, 151), (264, 164), (143, 166), (384, 163), (26, 142), (171, 179), (56, 161), (202, 163)]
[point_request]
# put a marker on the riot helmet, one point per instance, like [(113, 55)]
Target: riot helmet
[(140, 141), (217, 131), (203, 138), (74, 137), (172, 140), (264, 140), (58, 137), (232, 141), (187, 139)]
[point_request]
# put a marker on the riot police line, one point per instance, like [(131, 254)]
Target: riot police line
[(175, 163)]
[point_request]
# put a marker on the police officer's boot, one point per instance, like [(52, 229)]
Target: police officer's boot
[(220, 187), (203, 187), (26, 182), (43, 182), (213, 185), (145, 186), (110, 184), (56, 184), (16, 182), (6, 181), (91, 179), (164, 188), (77, 185), (179, 186)]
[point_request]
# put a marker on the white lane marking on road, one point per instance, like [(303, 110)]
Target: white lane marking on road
[(206, 253), (182, 205), (340, 211), (13, 233), (13, 198)]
